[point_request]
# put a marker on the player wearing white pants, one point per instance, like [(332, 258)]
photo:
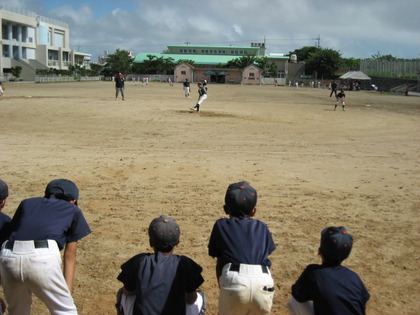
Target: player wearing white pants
[(246, 289), (27, 267), (127, 305), (202, 92), (297, 308)]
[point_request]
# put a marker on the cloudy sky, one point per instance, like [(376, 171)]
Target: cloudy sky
[(356, 28)]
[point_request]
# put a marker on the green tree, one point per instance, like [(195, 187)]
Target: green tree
[(272, 70), (96, 68), (379, 56), (16, 71), (191, 62), (158, 65), (324, 63), (120, 61), (350, 64), (305, 52), (241, 62)]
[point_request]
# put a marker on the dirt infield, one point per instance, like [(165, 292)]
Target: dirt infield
[(150, 155)]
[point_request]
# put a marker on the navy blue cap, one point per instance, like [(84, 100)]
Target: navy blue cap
[(4, 190), (336, 244), (62, 187), (164, 233), (240, 199)]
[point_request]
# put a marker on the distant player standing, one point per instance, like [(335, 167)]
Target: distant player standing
[(119, 86), (333, 89), (341, 99), (1, 90), (202, 95), (186, 86)]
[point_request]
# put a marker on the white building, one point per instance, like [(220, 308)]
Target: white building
[(35, 42)]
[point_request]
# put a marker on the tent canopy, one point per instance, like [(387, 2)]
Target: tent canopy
[(355, 75), (210, 72)]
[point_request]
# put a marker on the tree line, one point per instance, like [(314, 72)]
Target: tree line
[(321, 63)]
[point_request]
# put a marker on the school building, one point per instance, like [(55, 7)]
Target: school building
[(35, 42), (209, 61)]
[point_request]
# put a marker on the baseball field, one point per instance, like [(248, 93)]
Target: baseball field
[(150, 155)]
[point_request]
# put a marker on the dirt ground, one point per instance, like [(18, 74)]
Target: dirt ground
[(312, 167)]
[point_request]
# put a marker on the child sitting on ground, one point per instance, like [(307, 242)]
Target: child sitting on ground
[(161, 283), (332, 288), (242, 246)]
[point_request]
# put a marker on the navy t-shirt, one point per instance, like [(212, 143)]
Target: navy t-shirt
[(334, 290), (241, 240), (4, 220), (160, 282), (48, 218), (4, 225)]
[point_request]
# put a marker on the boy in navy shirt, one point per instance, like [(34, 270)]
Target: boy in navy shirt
[(4, 193), (30, 256), (161, 283), (4, 221), (333, 289), (242, 245)]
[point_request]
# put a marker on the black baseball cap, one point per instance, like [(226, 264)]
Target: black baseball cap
[(240, 199), (62, 188), (4, 190), (164, 233), (336, 244)]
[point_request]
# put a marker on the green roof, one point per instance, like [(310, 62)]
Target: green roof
[(198, 59), (216, 47)]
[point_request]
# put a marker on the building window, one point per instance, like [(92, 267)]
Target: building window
[(183, 72), (251, 76)]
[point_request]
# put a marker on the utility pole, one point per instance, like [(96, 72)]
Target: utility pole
[(318, 41)]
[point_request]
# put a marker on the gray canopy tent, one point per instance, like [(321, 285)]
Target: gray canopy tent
[(355, 75)]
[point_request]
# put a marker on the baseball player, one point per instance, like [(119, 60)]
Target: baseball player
[(341, 98), (119, 86), (1, 90), (330, 288), (4, 193), (333, 89), (30, 257), (4, 221), (186, 86), (242, 245), (161, 283), (202, 95)]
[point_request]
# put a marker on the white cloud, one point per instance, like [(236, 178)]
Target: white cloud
[(357, 29)]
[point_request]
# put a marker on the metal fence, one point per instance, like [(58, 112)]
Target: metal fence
[(393, 69), (49, 79)]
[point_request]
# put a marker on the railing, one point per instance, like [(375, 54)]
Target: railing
[(33, 14), (51, 79)]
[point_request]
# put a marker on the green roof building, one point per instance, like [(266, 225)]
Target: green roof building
[(212, 59)]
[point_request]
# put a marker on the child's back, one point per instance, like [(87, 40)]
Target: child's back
[(333, 288), (162, 283), (241, 246)]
